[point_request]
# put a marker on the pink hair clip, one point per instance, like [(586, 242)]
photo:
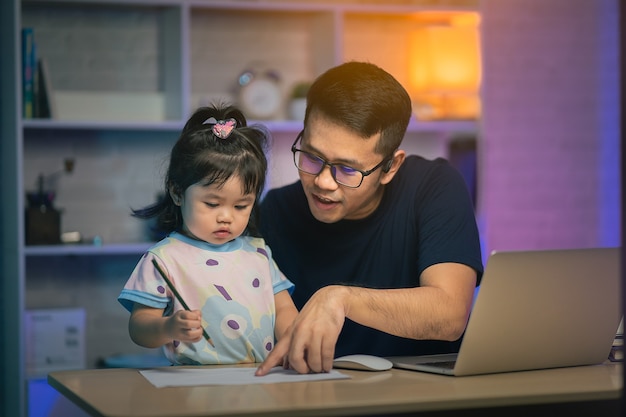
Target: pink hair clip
[(223, 128)]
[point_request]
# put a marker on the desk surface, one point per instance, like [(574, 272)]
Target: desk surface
[(125, 392)]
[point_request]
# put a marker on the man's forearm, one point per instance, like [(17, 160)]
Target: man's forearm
[(438, 310)]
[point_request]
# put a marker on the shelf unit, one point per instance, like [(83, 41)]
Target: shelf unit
[(123, 71), (192, 51), (125, 76)]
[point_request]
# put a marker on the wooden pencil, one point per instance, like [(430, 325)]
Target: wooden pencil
[(179, 297)]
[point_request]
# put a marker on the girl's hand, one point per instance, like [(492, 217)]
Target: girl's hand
[(185, 326)]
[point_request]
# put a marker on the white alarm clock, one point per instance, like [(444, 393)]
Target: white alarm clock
[(260, 96)]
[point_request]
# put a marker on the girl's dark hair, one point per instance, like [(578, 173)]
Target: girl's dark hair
[(199, 156)]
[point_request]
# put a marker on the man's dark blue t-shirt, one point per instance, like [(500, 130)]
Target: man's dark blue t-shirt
[(425, 217)]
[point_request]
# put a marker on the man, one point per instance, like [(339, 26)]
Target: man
[(383, 249)]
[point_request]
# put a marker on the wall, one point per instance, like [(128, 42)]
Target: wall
[(549, 156)]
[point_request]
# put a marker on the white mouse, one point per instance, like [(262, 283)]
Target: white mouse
[(362, 363)]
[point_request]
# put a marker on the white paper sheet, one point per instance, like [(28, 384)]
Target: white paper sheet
[(185, 377)]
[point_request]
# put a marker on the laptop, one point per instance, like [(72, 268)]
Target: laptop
[(536, 310)]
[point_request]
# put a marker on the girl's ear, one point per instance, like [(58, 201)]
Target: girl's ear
[(175, 196)]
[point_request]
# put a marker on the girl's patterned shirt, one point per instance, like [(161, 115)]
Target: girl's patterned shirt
[(232, 284)]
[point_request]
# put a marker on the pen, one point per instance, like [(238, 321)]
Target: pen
[(179, 298)]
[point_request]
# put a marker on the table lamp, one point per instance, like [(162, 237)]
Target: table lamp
[(445, 67)]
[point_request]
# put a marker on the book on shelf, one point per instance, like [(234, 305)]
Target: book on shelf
[(29, 60), (37, 96), (44, 104)]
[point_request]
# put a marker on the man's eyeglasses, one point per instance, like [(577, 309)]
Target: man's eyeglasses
[(342, 174)]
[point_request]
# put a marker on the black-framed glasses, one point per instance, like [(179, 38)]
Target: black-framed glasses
[(342, 174)]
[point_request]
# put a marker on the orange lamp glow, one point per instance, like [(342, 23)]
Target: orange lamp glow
[(445, 69)]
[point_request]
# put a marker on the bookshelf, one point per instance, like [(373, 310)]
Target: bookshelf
[(174, 74), (193, 51), (125, 75)]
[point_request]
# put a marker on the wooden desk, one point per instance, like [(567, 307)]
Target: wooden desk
[(588, 390)]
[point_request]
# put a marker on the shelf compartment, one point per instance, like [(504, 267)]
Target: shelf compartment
[(295, 45), (111, 61)]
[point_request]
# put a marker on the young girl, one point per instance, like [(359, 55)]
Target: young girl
[(210, 292)]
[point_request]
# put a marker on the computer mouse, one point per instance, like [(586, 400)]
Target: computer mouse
[(362, 363)]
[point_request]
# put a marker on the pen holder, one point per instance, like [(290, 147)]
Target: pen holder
[(43, 226)]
